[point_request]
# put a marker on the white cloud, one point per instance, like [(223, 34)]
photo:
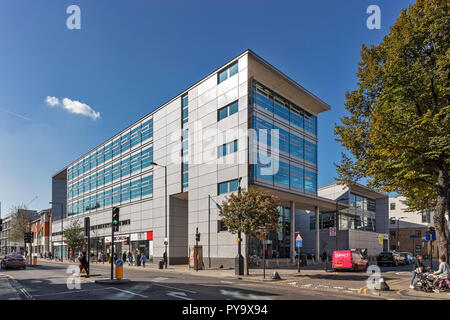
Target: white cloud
[(78, 107), (52, 101), (73, 106)]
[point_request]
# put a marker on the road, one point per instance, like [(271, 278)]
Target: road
[(49, 281)]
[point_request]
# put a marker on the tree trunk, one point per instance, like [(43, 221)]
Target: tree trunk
[(439, 218)]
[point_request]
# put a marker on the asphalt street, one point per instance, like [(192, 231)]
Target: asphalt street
[(49, 281)]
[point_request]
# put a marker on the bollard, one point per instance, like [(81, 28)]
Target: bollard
[(34, 260), (119, 269)]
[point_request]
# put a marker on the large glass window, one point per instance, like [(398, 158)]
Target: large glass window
[(108, 197), (185, 175), (93, 182), (185, 109), (100, 178), (100, 156), (283, 139), (310, 181), (116, 171), (135, 162), (147, 129), (100, 200), (228, 186), (93, 160), (116, 195), (147, 185), (262, 99), (147, 157), (310, 151), (296, 146), (135, 189), (296, 117), (125, 193), (108, 152), (310, 122), (282, 176), (116, 148), (228, 110), (227, 148), (125, 167), (297, 177), (108, 174), (136, 136), (281, 110), (263, 131), (125, 141)]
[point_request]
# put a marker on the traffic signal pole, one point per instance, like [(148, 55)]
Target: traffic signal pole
[(112, 244)]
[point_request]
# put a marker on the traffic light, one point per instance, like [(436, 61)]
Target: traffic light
[(28, 237), (1, 226), (197, 236), (31, 237), (115, 223)]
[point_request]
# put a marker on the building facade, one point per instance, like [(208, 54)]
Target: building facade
[(41, 228), (362, 225), (407, 229), (8, 246), (245, 123)]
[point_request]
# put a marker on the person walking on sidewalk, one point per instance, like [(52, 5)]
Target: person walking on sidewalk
[(143, 260), (130, 258), (124, 256)]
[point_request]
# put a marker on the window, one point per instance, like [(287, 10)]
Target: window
[(310, 181), (147, 157), (296, 177), (135, 189), (227, 148), (93, 160), (263, 100), (100, 200), (310, 122), (228, 110), (93, 183), (263, 131), (221, 226), (125, 167), (283, 139), (116, 195), (136, 136), (108, 174), (228, 186), (116, 148), (135, 162), (147, 185), (116, 171), (108, 152), (296, 146), (392, 205), (100, 178), (147, 130), (282, 176), (426, 217), (69, 174), (296, 117), (185, 169), (227, 73), (100, 156), (125, 193), (281, 110), (87, 184), (185, 109), (125, 142), (93, 202), (310, 151), (419, 233), (108, 194)]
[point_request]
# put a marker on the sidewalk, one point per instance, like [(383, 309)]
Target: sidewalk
[(7, 292)]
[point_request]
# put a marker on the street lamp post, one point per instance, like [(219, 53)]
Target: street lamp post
[(62, 227), (165, 201), (209, 226)]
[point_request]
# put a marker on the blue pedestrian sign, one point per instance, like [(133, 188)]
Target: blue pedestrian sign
[(430, 235), (119, 263), (298, 241)]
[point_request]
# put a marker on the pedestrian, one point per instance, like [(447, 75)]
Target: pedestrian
[(138, 259), (130, 258), (83, 262), (115, 257), (124, 255), (418, 268), (99, 256), (143, 259), (324, 256), (442, 273)]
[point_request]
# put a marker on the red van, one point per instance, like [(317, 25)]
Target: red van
[(349, 260)]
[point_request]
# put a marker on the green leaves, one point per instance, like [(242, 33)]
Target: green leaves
[(249, 211), (74, 235)]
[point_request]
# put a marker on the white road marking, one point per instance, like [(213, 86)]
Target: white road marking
[(129, 292), (223, 281), (71, 291), (306, 285), (179, 295), (158, 279), (340, 288), (352, 289), (161, 285)]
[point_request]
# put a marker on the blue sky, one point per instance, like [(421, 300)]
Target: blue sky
[(132, 56)]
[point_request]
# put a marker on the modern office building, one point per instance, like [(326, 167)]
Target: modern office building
[(203, 138), (363, 225)]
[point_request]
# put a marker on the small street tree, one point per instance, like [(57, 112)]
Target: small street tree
[(20, 223), (74, 236), (398, 131), (248, 212)]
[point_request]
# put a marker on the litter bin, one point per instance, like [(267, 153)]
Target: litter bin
[(161, 264)]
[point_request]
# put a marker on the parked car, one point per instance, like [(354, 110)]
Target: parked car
[(349, 260), (13, 261), (390, 258)]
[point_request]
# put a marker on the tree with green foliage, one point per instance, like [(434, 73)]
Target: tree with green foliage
[(248, 212), (74, 235), (398, 131)]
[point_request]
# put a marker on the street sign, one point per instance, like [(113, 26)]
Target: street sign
[(119, 263), (299, 244), (332, 231), (430, 235), (299, 237)]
